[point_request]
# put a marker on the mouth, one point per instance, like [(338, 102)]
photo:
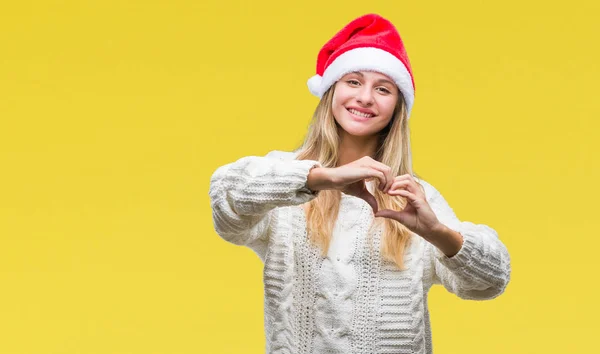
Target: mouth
[(360, 115)]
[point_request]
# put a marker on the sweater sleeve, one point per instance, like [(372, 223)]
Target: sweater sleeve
[(481, 269), (243, 195)]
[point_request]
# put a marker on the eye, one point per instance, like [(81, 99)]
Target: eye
[(352, 82), (385, 90)]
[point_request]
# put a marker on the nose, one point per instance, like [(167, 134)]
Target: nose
[(365, 96)]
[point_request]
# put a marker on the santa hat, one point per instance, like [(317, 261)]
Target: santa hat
[(369, 43)]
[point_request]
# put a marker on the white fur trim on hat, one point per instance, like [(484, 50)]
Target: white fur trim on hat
[(314, 83), (368, 59)]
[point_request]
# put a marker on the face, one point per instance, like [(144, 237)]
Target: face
[(363, 102)]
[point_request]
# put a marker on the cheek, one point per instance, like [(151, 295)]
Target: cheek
[(338, 111), (337, 103), (342, 93), (388, 106)]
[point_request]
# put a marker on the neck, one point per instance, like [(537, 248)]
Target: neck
[(353, 148)]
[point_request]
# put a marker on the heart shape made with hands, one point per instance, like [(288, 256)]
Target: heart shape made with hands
[(359, 189), (417, 215)]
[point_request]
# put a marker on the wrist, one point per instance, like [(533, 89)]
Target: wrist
[(318, 179), (438, 231), (445, 239)]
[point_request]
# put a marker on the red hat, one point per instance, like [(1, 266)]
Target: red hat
[(369, 43)]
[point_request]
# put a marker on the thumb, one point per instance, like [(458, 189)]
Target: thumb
[(391, 214), (369, 198)]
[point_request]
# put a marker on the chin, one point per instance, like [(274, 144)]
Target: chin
[(358, 132)]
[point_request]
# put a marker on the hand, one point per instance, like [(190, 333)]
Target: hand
[(350, 178), (417, 214)]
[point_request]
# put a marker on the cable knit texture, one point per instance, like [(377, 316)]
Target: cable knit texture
[(351, 301)]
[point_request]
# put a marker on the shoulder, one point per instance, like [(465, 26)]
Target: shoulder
[(281, 154)]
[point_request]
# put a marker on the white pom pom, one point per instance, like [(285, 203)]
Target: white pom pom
[(314, 85)]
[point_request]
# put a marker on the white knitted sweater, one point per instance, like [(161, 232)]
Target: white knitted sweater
[(351, 301)]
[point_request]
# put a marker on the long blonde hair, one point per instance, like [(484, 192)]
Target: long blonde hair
[(393, 149)]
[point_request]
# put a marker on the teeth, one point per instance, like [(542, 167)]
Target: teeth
[(365, 115)]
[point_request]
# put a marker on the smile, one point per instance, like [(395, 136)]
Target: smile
[(360, 115)]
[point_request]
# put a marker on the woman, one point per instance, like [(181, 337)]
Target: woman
[(351, 239)]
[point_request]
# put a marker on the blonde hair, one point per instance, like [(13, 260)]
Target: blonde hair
[(393, 149)]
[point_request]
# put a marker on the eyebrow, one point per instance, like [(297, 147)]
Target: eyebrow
[(380, 80)]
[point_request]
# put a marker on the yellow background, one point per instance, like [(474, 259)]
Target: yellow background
[(114, 114)]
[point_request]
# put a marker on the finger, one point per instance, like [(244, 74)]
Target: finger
[(398, 184), (406, 186), (368, 174), (390, 182), (372, 172), (406, 176), (418, 189), (408, 182), (389, 178), (410, 196), (386, 213), (382, 181), (390, 214), (387, 172), (369, 198)]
